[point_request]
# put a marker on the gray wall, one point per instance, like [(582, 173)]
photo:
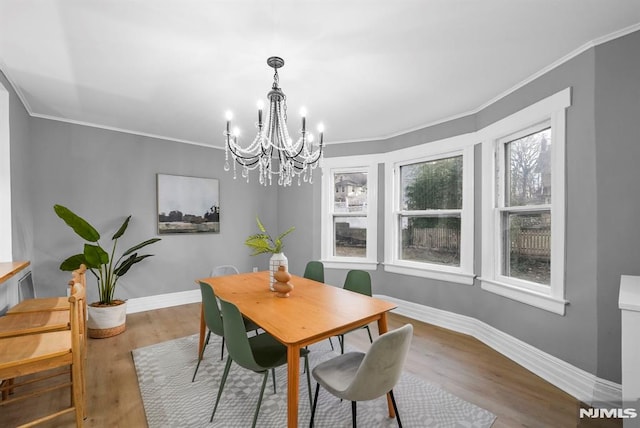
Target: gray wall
[(603, 149), (104, 176), (21, 218), (617, 136)]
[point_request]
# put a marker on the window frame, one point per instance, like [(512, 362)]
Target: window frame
[(349, 164), (462, 145), (549, 111)]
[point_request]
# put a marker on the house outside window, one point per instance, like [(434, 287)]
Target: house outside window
[(349, 212), (523, 204), (429, 210)]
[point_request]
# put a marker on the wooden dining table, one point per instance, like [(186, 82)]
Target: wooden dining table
[(313, 312)]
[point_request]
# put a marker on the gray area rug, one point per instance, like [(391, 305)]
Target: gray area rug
[(172, 400)]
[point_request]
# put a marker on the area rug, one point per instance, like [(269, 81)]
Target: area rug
[(172, 400)]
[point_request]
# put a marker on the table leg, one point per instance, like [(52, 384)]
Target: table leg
[(203, 329), (293, 378), (382, 329)]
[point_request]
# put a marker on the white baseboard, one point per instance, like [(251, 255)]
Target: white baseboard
[(141, 304), (580, 384)]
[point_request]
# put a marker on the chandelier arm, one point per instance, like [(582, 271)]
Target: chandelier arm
[(236, 154)]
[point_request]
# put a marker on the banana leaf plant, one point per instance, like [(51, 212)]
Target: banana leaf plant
[(262, 242), (104, 266)]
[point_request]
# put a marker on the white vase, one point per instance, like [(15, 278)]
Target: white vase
[(276, 260)]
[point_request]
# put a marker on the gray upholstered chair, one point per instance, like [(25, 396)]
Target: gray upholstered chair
[(224, 270), (356, 376)]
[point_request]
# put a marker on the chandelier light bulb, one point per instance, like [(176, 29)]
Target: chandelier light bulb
[(228, 115), (236, 132)]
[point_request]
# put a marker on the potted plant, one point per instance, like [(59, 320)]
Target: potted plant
[(262, 243), (106, 316)]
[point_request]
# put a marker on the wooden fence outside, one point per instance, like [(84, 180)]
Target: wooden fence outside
[(534, 243)]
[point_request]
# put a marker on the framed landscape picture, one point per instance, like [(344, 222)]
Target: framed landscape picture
[(188, 204)]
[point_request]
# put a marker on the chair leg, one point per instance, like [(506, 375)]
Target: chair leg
[(221, 349), (264, 383), (331, 343), (341, 340), (313, 407), (306, 367), (273, 376), (222, 381), (395, 408), (353, 413), (200, 356), (369, 332)]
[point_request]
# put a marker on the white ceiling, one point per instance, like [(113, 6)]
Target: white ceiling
[(366, 69)]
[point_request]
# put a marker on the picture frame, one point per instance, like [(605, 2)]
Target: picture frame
[(187, 204)]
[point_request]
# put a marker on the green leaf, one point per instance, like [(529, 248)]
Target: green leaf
[(126, 265), (95, 256), (79, 225), (260, 225), (285, 233), (72, 263), (141, 245), (122, 229)]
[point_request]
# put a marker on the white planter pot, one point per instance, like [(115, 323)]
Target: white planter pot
[(106, 321), (276, 260)]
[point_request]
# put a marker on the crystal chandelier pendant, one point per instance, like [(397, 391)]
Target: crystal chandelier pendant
[(273, 152)]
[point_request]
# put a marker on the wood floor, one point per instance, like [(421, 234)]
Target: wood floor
[(458, 363)]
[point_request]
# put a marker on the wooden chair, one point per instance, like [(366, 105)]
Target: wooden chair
[(23, 323), (41, 355), (41, 304)]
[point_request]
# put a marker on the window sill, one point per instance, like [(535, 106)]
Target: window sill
[(457, 277), (351, 264), (538, 300)]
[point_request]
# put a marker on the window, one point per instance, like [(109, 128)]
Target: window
[(523, 205), (429, 220), (349, 212)]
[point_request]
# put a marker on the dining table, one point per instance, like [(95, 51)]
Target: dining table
[(313, 311)]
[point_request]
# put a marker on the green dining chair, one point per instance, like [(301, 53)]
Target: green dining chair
[(213, 321), (358, 281), (261, 353), (356, 376), (314, 270)]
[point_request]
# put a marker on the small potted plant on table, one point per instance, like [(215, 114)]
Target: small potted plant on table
[(262, 243)]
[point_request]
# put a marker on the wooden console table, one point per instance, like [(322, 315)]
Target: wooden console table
[(9, 269)]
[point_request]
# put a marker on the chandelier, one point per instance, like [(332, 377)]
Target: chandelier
[(273, 152)]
